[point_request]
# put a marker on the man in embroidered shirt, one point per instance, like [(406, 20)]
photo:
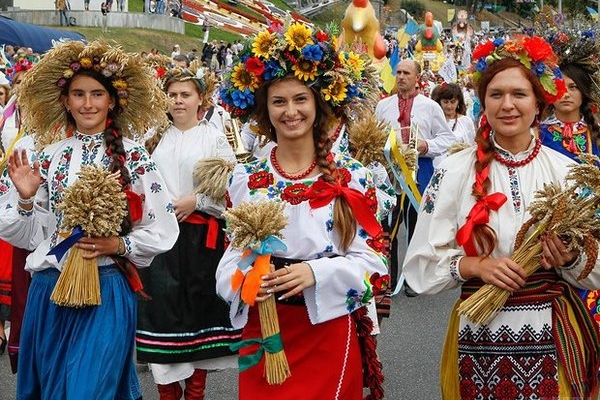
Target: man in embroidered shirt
[(435, 137)]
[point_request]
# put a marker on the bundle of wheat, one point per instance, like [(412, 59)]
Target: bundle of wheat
[(94, 204)]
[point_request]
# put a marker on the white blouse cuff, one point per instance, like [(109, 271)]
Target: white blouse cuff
[(454, 270)]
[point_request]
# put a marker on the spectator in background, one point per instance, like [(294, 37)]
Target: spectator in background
[(104, 10), (176, 51), (192, 55), (109, 4), (181, 61), (63, 6), (86, 5), (121, 5)]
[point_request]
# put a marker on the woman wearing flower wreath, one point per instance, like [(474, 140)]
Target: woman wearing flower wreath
[(185, 330), (98, 95), (542, 343), (573, 129), (291, 83)]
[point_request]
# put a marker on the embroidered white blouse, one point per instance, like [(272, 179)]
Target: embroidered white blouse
[(431, 263), (39, 229), (309, 236), (178, 153)]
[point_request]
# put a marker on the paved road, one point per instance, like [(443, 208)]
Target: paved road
[(409, 346)]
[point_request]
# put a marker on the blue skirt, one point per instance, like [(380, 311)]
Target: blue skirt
[(78, 353)]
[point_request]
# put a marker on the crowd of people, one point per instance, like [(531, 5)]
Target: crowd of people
[(277, 118)]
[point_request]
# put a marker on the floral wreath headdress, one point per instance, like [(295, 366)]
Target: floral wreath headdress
[(534, 53), (142, 102), (311, 55), (22, 64), (582, 50)]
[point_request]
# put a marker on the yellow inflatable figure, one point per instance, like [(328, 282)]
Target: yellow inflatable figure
[(361, 27), (429, 47)]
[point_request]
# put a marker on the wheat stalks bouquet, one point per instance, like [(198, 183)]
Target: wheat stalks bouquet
[(256, 229), (94, 205), (571, 213)]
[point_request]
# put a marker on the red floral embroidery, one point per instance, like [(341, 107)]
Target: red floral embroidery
[(260, 179), (371, 196), (294, 194), (379, 243), (135, 156), (380, 283), (343, 175), (45, 164), (140, 170)]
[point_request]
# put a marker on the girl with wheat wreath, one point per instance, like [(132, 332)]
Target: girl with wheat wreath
[(84, 102), (541, 343)]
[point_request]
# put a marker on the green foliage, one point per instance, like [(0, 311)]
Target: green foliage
[(414, 8)]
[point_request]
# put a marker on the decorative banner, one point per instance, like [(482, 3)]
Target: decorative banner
[(448, 70), (404, 176)]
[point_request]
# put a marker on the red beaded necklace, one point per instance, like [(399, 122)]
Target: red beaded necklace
[(291, 177), (520, 163)]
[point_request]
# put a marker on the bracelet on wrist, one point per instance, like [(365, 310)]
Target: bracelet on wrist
[(121, 249), (26, 201)]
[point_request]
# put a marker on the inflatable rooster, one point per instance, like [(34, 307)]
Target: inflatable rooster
[(361, 27), (429, 47)]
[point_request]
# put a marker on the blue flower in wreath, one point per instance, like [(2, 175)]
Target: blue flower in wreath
[(242, 99), (272, 70), (481, 64), (538, 69), (313, 52)]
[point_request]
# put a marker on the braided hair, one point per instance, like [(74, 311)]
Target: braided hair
[(484, 236), (585, 84), (113, 139), (344, 220)]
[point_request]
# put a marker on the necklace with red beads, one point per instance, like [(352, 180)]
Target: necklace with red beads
[(291, 177), (520, 163)]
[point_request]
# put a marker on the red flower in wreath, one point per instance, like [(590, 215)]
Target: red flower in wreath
[(561, 89), (322, 36), (255, 66), (483, 50), (261, 179), (380, 283), (294, 194), (538, 49)]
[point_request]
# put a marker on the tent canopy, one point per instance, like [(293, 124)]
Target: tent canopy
[(39, 38)]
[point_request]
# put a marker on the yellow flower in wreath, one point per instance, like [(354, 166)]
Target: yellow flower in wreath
[(336, 91), (305, 69), (298, 36), (243, 79), (264, 44)]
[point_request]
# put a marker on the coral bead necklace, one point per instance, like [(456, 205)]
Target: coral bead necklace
[(291, 177), (520, 163)]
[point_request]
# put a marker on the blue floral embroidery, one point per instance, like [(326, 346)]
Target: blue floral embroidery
[(515, 192), (356, 299), (151, 215), (170, 208), (329, 225)]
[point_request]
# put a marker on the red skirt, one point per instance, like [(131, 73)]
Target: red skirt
[(6, 255), (324, 359)]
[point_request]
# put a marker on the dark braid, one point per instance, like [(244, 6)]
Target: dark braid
[(116, 151), (592, 123)]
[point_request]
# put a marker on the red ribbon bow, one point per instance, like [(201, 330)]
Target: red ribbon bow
[(479, 215), (322, 193), (134, 202)]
